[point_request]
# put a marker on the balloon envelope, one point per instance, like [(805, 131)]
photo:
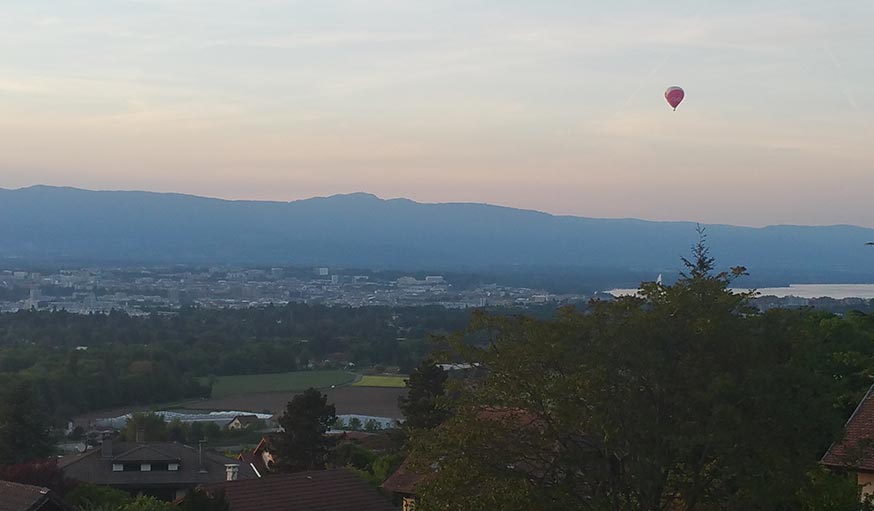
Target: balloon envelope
[(675, 96)]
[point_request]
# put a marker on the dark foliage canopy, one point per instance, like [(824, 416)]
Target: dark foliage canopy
[(680, 399), (303, 444)]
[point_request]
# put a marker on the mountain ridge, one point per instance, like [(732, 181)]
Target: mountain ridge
[(376, 198), (362, 230)]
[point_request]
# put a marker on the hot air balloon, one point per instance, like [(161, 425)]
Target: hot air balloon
[(675, 96)]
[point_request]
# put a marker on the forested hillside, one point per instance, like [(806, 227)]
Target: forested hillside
[(84, 362)]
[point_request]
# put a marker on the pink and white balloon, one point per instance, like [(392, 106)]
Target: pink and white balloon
[(675, 96)]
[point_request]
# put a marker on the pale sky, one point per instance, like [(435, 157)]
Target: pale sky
[(550, 105)]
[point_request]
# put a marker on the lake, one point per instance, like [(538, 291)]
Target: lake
[(836, 291)]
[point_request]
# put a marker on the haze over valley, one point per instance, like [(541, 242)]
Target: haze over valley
[(64, 225)]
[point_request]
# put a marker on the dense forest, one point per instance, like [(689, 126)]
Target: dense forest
[(87, 362), (684, 398)]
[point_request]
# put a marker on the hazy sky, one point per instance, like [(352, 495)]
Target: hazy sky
[(551, 105)]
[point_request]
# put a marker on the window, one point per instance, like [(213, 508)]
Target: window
[(117, 467), (145, 467), (173, 467)]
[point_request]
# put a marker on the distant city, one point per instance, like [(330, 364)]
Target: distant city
[(145, 290)]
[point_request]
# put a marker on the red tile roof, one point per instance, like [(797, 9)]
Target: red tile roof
[(855, 450), (317, 490), (403, 480), (255, 461)]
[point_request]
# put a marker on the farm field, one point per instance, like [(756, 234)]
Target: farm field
[(229, 386), (376, 401), (381, 381)]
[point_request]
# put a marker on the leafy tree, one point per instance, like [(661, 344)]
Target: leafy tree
[(681, 399), (303, 444), (422, 405), (350, 454), (367, 464), (195, 433), (355, 424), (87, 497), (383, 466), (152, 426), (198, 500), (24, 425), (177, 431), (212, 431), (144, 503), (827, 491), (78, 433)]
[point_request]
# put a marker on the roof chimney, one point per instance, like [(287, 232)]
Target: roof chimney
[(233, 471), (200, 468), (141, 436), (106, 449)]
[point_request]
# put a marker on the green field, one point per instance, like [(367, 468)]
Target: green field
[(227, 386), (381, 381)]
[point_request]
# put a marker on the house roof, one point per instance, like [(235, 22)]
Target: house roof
[(856, 449), (254, 461), (266, 443), (318, 490), (24, 497), (244, 419), (93, 467), (403, 480), (143, 454)]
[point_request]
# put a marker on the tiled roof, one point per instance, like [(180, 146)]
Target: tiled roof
[(856, 449), (143, 454), (93, 467), (403, 480), (254, 461), (23, 497), (318, 490)]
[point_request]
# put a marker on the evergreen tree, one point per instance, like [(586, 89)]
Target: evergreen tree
[(303, 444), (25, 428), (421, 406)]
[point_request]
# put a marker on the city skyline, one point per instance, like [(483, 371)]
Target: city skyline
[(556, 107)]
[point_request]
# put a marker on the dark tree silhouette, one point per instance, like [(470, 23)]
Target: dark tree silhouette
[(303, 444), (24, 425), (421, 406)]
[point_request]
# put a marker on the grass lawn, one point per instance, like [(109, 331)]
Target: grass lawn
[(381, 381), (227, 386)]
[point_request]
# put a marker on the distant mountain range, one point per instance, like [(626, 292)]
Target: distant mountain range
[(67, 225)]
